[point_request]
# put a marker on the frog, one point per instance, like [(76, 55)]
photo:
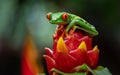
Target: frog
[(72, 21)]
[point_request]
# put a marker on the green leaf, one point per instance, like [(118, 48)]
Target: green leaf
[(81, 67), (102, 71), (98, 71)]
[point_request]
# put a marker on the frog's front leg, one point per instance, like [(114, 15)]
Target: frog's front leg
[(73, 24), (70, 25)]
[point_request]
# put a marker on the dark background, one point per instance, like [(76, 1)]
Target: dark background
[(20, 17)]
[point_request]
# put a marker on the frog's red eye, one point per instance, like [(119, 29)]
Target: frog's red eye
[(48, 16), (65, 16)]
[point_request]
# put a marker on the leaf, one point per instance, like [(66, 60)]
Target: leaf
[(102, 71), (81, 67), (98, 71)]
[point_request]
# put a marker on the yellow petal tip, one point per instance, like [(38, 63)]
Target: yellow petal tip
[(61, 47), (82, 45), (95, 48)]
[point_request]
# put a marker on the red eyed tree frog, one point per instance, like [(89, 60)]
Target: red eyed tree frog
[(71, 20)]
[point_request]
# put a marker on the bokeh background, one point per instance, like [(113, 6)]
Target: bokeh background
[(18, 18)]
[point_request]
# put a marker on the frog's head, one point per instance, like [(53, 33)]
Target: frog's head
[(58, 18)]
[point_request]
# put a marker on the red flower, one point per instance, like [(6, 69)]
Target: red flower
[(70, 52)]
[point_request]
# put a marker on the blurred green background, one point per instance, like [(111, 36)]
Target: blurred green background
[(18, 18)]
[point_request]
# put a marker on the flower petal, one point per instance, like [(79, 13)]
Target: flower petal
[(80, 55), (50, 63), (92, 57), (61, 47), (54, 46), (82, 46), (72, 43), (95, 48), (65, 62), (88, 42), (49, 52)]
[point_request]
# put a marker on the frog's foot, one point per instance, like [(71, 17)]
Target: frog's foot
[(73, 30), (67, 36), (60, 27), (64, 34)]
